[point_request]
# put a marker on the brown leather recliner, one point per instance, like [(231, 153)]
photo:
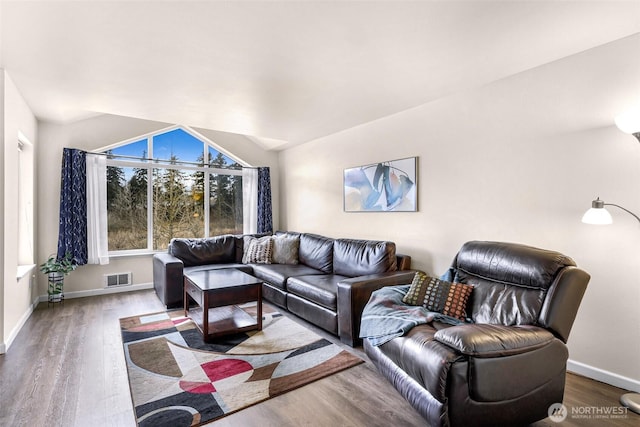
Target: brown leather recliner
[(509, 366)]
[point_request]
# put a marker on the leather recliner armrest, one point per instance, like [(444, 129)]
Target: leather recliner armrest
[(353, 295), (493, 340)]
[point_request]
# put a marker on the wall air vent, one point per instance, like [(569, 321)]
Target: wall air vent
[(118, 279)]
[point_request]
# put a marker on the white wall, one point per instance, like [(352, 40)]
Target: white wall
[(517, 160), (92, 134), (3, 346), (1, 39), (17, 295)]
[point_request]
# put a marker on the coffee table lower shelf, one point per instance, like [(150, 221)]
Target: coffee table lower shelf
[(225, 320)]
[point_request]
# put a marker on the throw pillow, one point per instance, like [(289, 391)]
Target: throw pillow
[(285, 249), (258, 251), (438, 295)]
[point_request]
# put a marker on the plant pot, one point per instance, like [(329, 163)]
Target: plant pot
[(55, 289)]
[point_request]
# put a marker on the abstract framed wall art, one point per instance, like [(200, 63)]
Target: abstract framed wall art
[(389, 186)]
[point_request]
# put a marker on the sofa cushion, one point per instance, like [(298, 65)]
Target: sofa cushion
[(500, 304), (438, 295), (506, 262), (285, 249), (211, 250), (277, 274), (494, 340), (316, 252), (321, 289), (510, 280), (353, 258)]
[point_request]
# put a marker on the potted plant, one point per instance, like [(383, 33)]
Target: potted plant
[(56, 269)]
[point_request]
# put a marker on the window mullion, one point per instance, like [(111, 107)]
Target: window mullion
[(206, 161), (205, 200), (150, 185)]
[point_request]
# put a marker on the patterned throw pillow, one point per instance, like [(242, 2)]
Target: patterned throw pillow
[(258, 251), (285, 249), (437, 295)]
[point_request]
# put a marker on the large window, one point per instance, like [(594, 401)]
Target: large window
[(170, 184)]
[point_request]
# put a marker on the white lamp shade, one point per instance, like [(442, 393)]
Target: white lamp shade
[(597, 216), (629, 121)]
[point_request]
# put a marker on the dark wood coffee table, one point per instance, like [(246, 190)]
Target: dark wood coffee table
[(217, 293)]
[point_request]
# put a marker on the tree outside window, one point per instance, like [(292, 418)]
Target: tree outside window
[(183, 202)]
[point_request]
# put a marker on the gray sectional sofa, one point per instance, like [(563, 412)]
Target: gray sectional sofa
[(328, 283)]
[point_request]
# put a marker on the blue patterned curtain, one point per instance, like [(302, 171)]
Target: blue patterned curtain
[(265, 215), (72, 232)]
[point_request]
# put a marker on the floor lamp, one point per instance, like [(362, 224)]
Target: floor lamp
[(629, 123)]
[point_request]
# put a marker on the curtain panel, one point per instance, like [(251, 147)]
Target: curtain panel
[(249, 200), (265, 214), (97, 238), (82, 229), (72, 230), (256, 200)]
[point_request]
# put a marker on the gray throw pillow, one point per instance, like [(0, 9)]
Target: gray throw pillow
[(285, 249)]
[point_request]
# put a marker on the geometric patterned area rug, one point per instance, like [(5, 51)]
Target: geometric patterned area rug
[(176, 379)]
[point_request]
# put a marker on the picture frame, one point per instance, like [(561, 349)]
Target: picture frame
[(388, 186)]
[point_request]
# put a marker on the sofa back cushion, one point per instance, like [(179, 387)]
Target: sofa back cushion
[(316, 252), (361, 257), (210, 250), (510, 280)]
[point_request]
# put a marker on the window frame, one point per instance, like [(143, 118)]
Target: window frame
[(150, 165)]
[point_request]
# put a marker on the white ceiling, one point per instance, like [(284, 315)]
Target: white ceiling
[(283, 73)]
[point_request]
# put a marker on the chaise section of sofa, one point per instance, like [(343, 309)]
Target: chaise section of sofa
[(328, 283), (189, 255)]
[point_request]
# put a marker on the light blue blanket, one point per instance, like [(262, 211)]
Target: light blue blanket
[(386, 317)]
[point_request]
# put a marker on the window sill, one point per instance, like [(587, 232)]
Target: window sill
[(24, 270), (129, 254)]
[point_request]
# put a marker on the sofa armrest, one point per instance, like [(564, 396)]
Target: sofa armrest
[(403, 261), (493, 340), (167, 279), (353, 295)]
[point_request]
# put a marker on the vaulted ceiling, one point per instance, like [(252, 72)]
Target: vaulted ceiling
[(287, 72)]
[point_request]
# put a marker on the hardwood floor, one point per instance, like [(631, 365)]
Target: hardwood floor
[(66, 368)]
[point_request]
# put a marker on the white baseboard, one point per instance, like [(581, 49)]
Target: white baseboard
[(104, 291), (603, 376), (4, 347)]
